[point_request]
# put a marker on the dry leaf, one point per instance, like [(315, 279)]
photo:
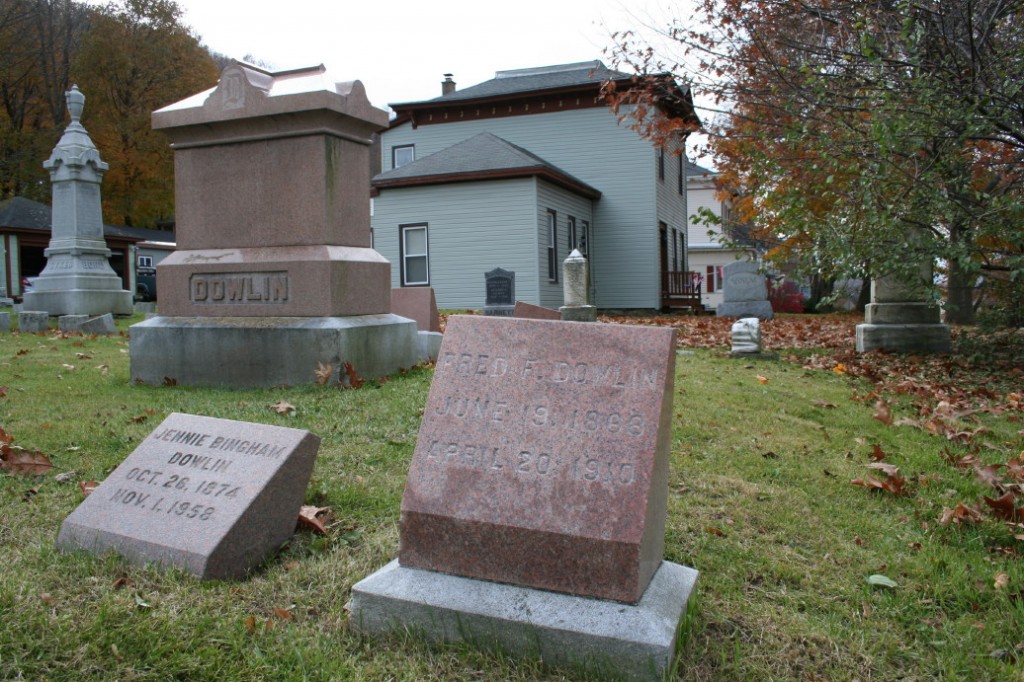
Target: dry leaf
[(1005, 508), (960, 514), (323, 373), (122, 582), (761, 379), (250, 623), (840, 368), (308, 518), (21, 461), (715, 531), (281, 407), (825, 404), (283, 614), (169, 381), (354, 381), (883, 413), (1001, 581), (87, 487)]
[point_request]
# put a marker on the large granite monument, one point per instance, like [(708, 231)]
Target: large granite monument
[(534, 513), (274, 273), (77, 279)]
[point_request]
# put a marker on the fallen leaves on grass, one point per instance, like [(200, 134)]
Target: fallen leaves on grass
[(1000, 581), (354, 380), (18, 460), (87, 487), (761, 379), (891, 480), (1005, 508), (960, 514)]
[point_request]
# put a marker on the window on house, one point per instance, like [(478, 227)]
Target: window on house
[(552, 246), (584, 245), (661, 163), (682, 172), (145, 261), (571, 241), (402, 154), (371, 239), (414, 256), (713, 279)]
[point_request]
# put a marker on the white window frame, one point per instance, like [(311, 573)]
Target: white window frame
[(398, 150), (145, 261), (404, 231)]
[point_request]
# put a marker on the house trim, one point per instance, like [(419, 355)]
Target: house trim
[(443, 178)]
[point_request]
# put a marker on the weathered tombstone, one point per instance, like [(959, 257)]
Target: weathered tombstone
[(212, 497), (33, 321), (273, 273), (101, 325), (500, 292), (71, 323), (420, 305), (576, 290), (746, 336), (534, 312), (899, 317), (5, 322), (744, 292), (534, 513), (77, 279)]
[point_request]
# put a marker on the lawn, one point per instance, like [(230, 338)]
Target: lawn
[(910, 574)]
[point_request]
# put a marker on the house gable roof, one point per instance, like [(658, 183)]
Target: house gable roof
[(541, 90), (696, 170), (482, 157)]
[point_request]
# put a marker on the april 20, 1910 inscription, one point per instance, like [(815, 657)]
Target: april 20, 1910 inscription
[(210, 496), (542, 456)]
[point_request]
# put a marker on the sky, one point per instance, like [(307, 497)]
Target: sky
[(400, 49)]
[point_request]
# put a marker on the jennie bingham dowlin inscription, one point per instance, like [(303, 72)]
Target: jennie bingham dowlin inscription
[(210, 496), (542, 456)]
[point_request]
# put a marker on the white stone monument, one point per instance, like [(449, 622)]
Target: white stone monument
[(77, 279), (746, 336), (576, 290)]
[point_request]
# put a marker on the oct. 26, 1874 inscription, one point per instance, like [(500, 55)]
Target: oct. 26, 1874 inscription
[(542, 457), (210, 496)]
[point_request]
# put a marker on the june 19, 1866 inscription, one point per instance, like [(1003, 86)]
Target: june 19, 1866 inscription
[(210, 496), (542, 456)]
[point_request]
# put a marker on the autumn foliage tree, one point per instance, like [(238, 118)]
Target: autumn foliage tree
[(861, 137), (129, 58)]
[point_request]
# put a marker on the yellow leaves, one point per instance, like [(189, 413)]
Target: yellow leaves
[(840, 368), (761, 379)]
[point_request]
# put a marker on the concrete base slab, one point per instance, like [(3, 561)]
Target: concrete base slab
[(268, 351), (80, 302), (429, 345), (578, 313), (33, 321), (759, 309), (635, 642), (904, 338)]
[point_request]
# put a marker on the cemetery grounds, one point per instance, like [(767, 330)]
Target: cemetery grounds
[(853, 517)]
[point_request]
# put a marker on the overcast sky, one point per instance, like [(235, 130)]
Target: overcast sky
[(400, 49)]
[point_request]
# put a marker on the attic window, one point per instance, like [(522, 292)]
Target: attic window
[(402, 154)]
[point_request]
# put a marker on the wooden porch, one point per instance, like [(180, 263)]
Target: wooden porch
[(682, 290)]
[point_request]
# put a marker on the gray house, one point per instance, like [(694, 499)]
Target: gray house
[(516, 172)]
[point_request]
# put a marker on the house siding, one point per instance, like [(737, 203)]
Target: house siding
[(565, 204), (456, 238), (590, 145), (672, 205)]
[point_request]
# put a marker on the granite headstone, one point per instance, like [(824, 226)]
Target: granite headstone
[(500, 292), (212, 497), (744, 292), (534, 312)]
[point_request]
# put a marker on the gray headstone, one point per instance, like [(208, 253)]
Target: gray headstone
[(5, 322), (744, 292), (32, 321), (102, 324), (212, 497), (71, 323), (576, 291)]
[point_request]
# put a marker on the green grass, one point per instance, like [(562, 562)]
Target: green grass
[(760, 503)]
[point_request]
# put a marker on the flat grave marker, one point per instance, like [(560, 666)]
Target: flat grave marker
[(210, 496), (542, 457)]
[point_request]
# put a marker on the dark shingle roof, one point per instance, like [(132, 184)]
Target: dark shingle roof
[(536, 79), (483, 155), (26, 214), (694, 169)]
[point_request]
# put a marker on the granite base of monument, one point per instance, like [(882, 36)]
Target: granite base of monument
[(759, 309), (621, 640), (904, 338), (89, 302), (578, 313), (428, 345), (268, 351)]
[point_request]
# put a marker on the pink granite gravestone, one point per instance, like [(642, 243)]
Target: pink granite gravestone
[(535, 312), (210, 496), (542, 457), (419, 304)]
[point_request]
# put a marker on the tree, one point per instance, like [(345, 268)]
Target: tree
[(864, 137), (138, 57)]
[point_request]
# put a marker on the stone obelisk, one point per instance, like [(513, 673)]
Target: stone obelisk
[(77, 279)]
